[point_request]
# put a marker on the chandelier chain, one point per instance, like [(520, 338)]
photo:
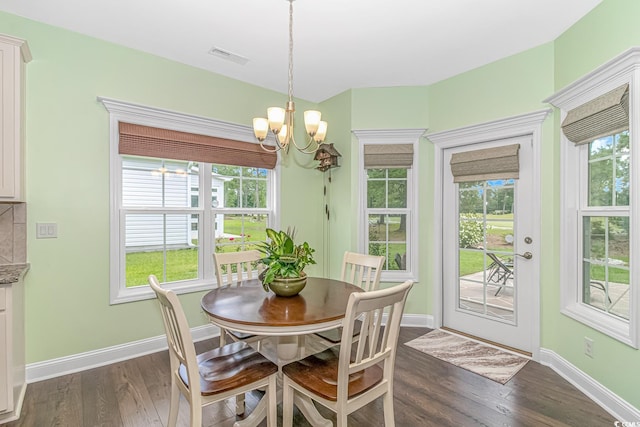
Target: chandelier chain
[(290, 50)]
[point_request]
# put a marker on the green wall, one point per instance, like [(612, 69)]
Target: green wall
[(68, 309), (67, 155), (606, 32)]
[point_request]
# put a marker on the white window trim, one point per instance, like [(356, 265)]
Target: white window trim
[(122, 111), (622, 69), (391, 136)]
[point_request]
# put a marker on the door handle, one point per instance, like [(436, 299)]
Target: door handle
[(526, 255)]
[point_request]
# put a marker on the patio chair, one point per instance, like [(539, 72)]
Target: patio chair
[(361, 270), (499, 272), (347, 377), (215, 375)]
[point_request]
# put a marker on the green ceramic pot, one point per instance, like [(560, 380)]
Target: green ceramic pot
[(288, 287)]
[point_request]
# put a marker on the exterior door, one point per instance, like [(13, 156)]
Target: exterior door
[(488, 251)]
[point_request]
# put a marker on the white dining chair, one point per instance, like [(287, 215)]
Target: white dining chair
[(345, 378), (361, 270), (212, 376)]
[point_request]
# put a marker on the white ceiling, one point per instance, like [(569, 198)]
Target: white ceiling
[(338, 44)]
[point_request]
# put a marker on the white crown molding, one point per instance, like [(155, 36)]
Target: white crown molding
[(168, 119), (605, 398), (522, 124), (384, 136), (606, 77)]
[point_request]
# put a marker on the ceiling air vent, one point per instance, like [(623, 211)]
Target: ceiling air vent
[(225, 54)]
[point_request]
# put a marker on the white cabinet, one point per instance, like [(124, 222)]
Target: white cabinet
[(14, 54), (12, 349)]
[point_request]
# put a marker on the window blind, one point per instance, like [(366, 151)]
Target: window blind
[(489, 163), (388, 156), (139, 140), (605, 115)]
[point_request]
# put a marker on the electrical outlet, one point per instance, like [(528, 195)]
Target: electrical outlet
[(588, 347)]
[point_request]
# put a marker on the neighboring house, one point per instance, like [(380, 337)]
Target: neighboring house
[(154, 182)]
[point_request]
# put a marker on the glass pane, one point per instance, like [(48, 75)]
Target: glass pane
[(398, 194), (609, 171), (397, 173), (601, 182), (254, 193), (377, 228), (160, 244), (376, 194), (471, 200), (376, 173), (606, 264), (239, 232), (397, 257), (231, 193), (471, 232), (148, 182), (397, 225)]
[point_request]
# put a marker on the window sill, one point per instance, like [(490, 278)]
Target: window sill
[(144, 292), (617, 329)]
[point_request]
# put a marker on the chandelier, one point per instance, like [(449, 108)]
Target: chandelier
[(281, 120)]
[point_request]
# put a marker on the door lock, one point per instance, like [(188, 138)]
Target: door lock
[(526, 255)]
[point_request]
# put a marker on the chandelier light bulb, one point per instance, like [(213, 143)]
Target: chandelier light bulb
[(282, 135), (260, 128), (276, 118), (312, 121), (321, 133)]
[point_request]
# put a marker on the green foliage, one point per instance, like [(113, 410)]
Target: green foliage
[(471, 231), (283, 258)]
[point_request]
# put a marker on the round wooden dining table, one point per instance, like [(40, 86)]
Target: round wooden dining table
[(246, 307)]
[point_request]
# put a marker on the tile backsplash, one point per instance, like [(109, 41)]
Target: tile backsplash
[(13, 233)]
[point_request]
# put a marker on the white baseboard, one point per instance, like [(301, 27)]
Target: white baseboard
[(619, 408), (92, 359)]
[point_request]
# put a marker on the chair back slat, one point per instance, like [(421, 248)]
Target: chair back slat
[(362, 270), (235, 266)]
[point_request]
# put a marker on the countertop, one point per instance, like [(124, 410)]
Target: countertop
[(11, 273)]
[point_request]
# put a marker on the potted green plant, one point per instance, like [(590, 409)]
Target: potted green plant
[(284, 262)]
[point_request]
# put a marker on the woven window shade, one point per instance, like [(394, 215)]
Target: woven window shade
[(388, 156), (605, 115), (149, 141), (490, 163)]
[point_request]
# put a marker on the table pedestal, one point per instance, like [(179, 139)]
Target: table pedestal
[(288, 349)]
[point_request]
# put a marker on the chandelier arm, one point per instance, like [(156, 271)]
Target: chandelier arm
[(269, 150), (305, 148)]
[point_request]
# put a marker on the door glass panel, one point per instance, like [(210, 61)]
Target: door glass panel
[(486, 249)]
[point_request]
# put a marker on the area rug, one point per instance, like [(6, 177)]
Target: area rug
[(482, 359)]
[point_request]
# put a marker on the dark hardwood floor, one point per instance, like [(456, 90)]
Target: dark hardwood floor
[(428, 392)]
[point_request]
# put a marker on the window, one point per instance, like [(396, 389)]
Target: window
[(598, 209), (388, 185), (169, 213)]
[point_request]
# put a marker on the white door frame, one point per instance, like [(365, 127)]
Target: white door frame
[(525, 124)]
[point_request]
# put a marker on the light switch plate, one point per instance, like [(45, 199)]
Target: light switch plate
[(46, 230)]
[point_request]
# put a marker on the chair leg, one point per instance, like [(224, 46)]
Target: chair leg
[(287, 403), (174, 405), (387, 402), (223, 337), (196, 414), (272, 403), (240, 404)]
